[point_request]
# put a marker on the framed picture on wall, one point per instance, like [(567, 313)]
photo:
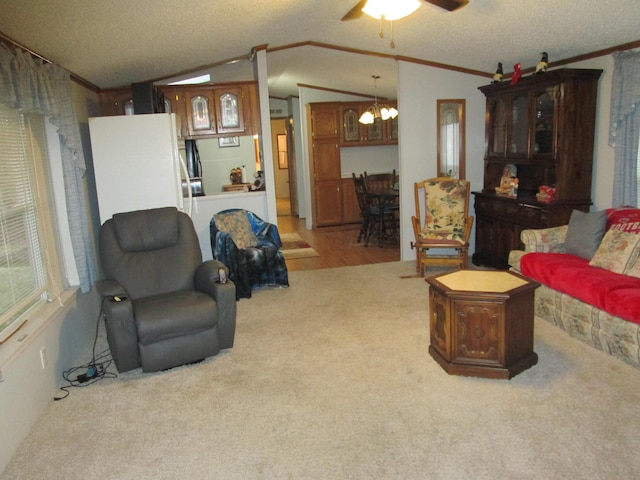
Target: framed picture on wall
[(228, 142), (283, 160)]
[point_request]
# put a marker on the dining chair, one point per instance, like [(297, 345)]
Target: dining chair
[(446, 224), (365, 210), (383, 195)]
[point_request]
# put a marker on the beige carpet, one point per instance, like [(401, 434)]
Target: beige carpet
[(331, 379), (294, 246)]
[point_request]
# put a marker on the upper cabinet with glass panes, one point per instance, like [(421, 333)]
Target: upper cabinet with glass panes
[(544, 125)]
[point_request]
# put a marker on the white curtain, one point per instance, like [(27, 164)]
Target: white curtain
[(30, 84), (624, 127)]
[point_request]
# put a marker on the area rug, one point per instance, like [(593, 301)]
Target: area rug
[(294, 246)]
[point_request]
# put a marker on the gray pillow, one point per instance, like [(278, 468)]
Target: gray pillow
[(585, 233)]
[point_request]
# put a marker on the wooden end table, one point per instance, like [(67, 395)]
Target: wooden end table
[(481, 323)]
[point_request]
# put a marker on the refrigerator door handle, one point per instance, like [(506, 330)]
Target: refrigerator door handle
[(185, 171)]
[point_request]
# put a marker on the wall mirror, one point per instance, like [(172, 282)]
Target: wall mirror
[(451, 138)]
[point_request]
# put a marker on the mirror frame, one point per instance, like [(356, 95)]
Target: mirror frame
[(461, 106)]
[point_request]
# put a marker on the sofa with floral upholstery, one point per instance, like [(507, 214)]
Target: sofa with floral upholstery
[(589, 275)]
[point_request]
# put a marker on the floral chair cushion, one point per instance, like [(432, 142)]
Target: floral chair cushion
[(444, 210), (237, 225)]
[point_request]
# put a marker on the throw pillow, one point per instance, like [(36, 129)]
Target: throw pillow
[(237, 225), (585, 232), (618, 252), (634, 271)]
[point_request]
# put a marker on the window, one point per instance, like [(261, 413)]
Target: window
[(451, 138), (29, 269)]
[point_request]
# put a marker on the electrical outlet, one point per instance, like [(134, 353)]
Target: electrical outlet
[(43, 358)]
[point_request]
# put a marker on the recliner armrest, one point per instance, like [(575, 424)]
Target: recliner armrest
[(208, 281), (110, 288), (122, 332)]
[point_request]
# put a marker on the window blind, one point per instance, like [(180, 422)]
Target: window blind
[(26, 273)]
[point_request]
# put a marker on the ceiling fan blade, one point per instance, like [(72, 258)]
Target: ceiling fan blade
[(355, 12), (449, 5)]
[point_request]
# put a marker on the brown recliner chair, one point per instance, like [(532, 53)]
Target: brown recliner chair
[(162, 305)]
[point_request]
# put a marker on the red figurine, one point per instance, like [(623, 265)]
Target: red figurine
[(517, 73)]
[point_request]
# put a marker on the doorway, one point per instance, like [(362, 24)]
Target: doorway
[(281, 165)]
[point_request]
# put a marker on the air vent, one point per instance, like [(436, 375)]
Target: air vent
[(276, 111)]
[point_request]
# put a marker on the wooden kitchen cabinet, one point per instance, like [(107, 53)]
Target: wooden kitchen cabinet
[(544, 125), (216, 110), (333, 125), (116, 101), (355, 134), (325, 164), (174, 102)]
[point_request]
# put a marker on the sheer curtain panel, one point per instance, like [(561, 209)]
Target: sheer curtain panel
[(624, 127)]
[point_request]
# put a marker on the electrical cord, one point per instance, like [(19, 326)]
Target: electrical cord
[(95, 370)]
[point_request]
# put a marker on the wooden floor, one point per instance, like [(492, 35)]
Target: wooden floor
[(337, 248)]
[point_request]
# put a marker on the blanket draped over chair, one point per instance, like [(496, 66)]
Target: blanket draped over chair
[(250, 248)]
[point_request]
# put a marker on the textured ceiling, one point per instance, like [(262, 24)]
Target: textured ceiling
[(116, 42)]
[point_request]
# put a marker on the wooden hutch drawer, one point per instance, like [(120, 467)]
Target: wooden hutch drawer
[(518, 212)]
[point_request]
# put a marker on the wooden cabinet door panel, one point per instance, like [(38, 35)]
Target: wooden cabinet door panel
[(324, 122), (200, 111), (328, 203), (229, 110), (326, 161)]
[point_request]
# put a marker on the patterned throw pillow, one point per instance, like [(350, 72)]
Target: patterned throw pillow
[(237, 225), (618, 252)]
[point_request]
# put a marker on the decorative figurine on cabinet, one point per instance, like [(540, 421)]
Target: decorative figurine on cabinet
[(517, 73), (236, 176), (543, 64), (509, 181), (259, 184), (497, 77)]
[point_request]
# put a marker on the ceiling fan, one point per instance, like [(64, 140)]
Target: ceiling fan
[(449, 5)]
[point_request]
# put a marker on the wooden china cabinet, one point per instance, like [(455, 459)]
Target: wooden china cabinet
[(544, 125)]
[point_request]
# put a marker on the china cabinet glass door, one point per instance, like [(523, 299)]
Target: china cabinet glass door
[(519, 137), (497, 128), (545, 123)]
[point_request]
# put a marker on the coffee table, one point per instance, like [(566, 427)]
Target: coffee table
[(481, 323)]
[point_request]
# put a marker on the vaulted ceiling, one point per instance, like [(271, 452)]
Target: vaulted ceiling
[(116, 42)]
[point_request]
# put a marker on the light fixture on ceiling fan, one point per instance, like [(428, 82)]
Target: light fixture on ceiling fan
[(376, 110), (396, 9)]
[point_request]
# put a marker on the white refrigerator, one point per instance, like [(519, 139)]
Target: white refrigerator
[(137, 163)]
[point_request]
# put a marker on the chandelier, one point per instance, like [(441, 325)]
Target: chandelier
[(390, 10), (376, 110)]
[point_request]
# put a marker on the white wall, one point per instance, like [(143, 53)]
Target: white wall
[(294, 109), (419, 88), (217, 162)]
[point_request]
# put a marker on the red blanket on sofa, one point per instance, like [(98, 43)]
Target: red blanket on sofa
[(614, 293)]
